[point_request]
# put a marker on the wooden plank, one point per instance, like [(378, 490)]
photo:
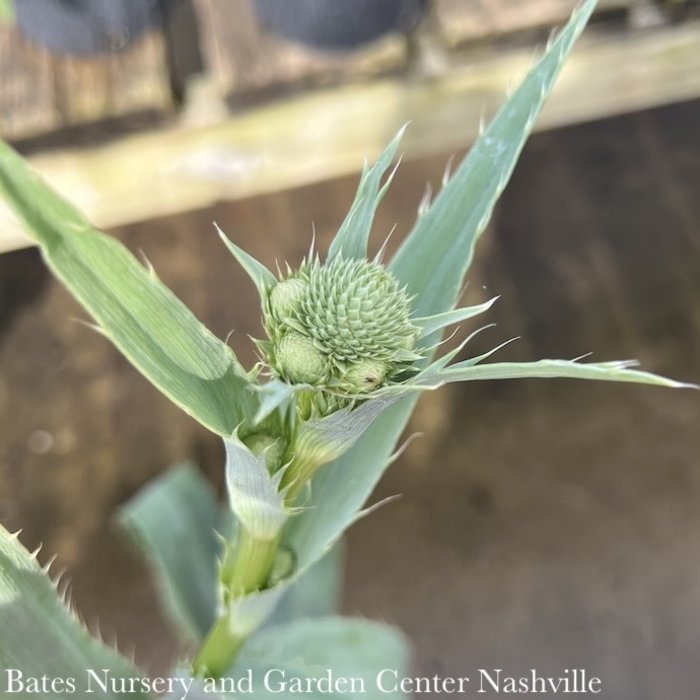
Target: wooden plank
[(328, 133), (27, 102), (114, 85), (42, 91), (245, 58), (478, 20)]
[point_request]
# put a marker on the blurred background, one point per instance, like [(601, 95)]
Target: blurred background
[(542, 524)]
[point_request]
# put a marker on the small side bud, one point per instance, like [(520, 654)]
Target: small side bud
[(299, 361), (283, 566), (364, 376), (285, 297), (272, 447)]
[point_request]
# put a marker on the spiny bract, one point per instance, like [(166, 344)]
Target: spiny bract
[(345, 324)]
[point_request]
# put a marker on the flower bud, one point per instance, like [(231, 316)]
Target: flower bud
[(364, 375), (286, 297), (282, 566), (272, 447), (345, 324), (299, 361), (356, 310)]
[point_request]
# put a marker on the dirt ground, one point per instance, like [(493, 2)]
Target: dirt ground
[(542, 524)]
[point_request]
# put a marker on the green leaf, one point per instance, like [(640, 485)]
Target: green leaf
[(275, 395), (321, 440), (436, 376), (174, 522), (440, 363), (617, 371), (329, 649), (247, 614), (444, 360), (432, 262), (40, 636), (434, 258), (254, 493), (340, 489), (353, 235), (157, 333), (436, 322), (335, 647), (256, 271)]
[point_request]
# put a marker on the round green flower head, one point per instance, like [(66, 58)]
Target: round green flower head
[(345, 324), (286, 296), (299, 361)]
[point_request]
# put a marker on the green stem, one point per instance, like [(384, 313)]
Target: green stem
[(247, 564), (219, 650), (245, 569)]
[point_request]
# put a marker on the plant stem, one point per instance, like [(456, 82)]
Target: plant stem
[(219, 650), (247, 564), (245, 569)]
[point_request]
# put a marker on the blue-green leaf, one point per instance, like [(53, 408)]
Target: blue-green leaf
[(616, 371), (174, 522), (432, 262), (157, 333), (318, 658), (340, 489), (353, 235), (327, 647), (434, 258), (256, 270), (39, 636), (436, 322), (275, 395), (320, 440), (254, 494), (470, 370)]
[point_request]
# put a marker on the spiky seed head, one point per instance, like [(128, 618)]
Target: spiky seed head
[(355, 309), (364, 376), (286, 297), (346, 323), (298, 360)]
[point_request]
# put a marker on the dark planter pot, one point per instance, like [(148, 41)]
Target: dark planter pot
[(338, 24), (88, 26)]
